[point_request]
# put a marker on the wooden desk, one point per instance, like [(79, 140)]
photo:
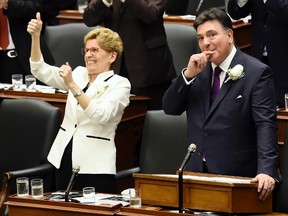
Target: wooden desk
[(242, 31), (205, 195), (128, 133), (33, 207)]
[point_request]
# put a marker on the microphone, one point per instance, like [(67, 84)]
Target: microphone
[(75, 171), (191, 150), (199, 6)]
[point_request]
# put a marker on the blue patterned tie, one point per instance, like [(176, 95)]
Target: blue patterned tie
[(216, 84)]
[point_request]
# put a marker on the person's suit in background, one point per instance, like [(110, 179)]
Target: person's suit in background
[(19, 13), (147, 60), (269, 29), (53, 7), (176, 7), (234, 130), (192, 7)]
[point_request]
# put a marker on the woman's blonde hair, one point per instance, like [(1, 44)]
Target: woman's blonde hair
[(108, 40)]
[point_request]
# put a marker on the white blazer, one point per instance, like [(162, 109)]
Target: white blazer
[(93, 129)]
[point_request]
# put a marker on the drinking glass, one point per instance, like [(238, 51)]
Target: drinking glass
[(30, 82), (135, 197), (37, 188), (89, 195), (22, 185), (17, 81)]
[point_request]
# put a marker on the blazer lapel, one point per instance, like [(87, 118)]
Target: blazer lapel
[(223, 91), (225, 86)]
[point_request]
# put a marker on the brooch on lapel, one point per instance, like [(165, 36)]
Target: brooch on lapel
[(235, 73), (101, 90)]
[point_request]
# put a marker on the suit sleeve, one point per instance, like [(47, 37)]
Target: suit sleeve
[(279, 9), (264, 115), (95, 12), (24, 9), (146, 10), (174, 99)]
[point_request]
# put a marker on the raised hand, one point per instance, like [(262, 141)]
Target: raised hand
[(35, 26)]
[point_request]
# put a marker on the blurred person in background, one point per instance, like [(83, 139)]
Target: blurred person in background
[(147, 61), (15, 43), (269, 36)]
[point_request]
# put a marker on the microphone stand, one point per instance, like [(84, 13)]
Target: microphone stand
[(75, 171), (199, 6), (180, 187), (191, 149)]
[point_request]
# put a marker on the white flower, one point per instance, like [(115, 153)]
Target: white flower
[(235, 73), (101, 90)]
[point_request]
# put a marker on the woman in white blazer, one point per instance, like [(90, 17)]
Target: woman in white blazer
[(95, 104)]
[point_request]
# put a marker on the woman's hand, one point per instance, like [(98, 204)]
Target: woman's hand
[(66, 73), (35, 26)]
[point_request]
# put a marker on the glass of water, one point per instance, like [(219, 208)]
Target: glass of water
[(17, 81), (30, 82), (89, 195), (37, 188), (22, 185), (135, 197)]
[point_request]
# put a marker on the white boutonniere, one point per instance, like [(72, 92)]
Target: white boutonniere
[(101, 90), (235, 73)]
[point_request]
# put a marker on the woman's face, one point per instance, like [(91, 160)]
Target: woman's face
[(97, 60)]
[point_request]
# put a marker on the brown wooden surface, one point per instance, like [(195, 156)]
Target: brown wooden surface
[(242, 31), (45, 207), (212, 196)]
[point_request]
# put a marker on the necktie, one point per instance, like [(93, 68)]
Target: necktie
[(216, 84), (4, 39)]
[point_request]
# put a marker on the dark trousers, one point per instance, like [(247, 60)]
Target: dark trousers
[(103, 183), (9, 66)]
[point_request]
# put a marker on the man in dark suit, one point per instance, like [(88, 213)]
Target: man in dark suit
[(192, 7), (269, 36), (146, 61), (236, 134), (15, 58)]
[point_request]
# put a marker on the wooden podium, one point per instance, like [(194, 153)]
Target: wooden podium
[(204, 195)]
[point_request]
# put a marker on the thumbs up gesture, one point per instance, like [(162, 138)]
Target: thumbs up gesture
[(35, 25)]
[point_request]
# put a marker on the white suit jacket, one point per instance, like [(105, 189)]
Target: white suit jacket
[(93, 129)]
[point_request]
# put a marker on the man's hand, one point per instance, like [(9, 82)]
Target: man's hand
[(266, 184), (197, 63)]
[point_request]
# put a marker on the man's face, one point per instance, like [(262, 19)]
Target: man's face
[(213, 37)]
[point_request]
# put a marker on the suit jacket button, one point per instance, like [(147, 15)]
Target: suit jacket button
[(205, 134), (75, 125)]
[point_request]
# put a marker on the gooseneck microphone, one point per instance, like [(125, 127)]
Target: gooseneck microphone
[(75, 171), (198, 7), (191, 150)]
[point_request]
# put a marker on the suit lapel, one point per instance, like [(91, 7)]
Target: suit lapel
[(225, 86), (223, 91)]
